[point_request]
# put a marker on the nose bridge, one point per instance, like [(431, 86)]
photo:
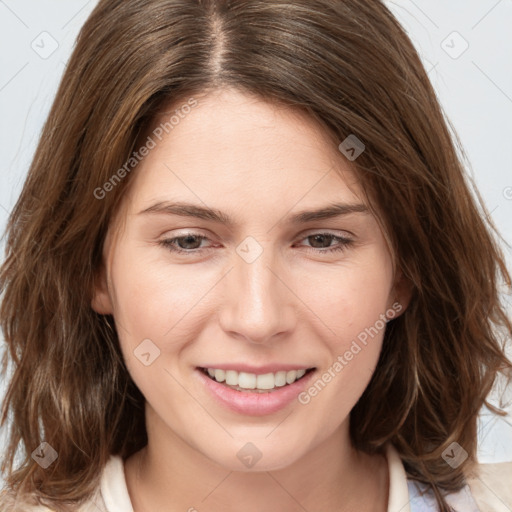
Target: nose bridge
[(258, 305)]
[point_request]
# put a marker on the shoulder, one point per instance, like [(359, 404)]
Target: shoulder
[(491, 485), (10, 502), (488, 489), (422, 499), (111, 494)]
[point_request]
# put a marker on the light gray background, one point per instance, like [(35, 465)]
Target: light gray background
[(474, 85)]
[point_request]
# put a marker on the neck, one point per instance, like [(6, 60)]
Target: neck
[(169, 475)]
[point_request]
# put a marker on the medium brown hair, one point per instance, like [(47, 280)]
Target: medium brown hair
[(348, 65)]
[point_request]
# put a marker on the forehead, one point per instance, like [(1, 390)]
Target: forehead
[(233, 144)]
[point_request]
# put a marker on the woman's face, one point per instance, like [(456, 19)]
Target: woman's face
[(271, 291)]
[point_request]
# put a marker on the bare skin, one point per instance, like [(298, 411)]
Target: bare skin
[(295, 304)]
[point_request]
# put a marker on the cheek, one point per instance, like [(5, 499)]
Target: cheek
[(351, 305), (158, 301), (151, 295), (351, 302), (350, 298), (154, 303), (143, 298)]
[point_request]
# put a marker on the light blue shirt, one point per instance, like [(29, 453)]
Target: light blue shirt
[(421, 501)]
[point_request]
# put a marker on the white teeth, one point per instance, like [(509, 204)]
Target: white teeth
[(220, 375), (265, 381), (232, 378), (291, 376), (246, 380), (280, 379)]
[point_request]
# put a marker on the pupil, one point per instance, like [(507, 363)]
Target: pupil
[(326, 238), (185, 240)]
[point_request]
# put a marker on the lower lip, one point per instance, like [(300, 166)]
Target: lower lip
[(254, 403)]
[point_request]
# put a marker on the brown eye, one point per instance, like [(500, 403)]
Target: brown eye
[(321, 243), (189, 243)]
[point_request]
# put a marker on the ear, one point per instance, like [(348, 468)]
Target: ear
[(101, 301), (400, 295)]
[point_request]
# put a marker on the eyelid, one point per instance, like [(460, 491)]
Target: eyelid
[(343, 233), (198, 232)]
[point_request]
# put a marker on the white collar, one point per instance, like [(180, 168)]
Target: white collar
[(398, 490)]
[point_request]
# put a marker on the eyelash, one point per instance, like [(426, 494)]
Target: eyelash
[(344, 244)]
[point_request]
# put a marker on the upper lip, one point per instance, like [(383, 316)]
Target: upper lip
[(258, 370)]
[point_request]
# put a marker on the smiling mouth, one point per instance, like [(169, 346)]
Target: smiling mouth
[(250, 382)]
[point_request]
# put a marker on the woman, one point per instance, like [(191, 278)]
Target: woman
[(246, 270)]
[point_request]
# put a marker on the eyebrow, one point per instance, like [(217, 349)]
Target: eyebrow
[(215, 215)]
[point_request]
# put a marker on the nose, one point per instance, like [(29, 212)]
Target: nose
[(258, 305)]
